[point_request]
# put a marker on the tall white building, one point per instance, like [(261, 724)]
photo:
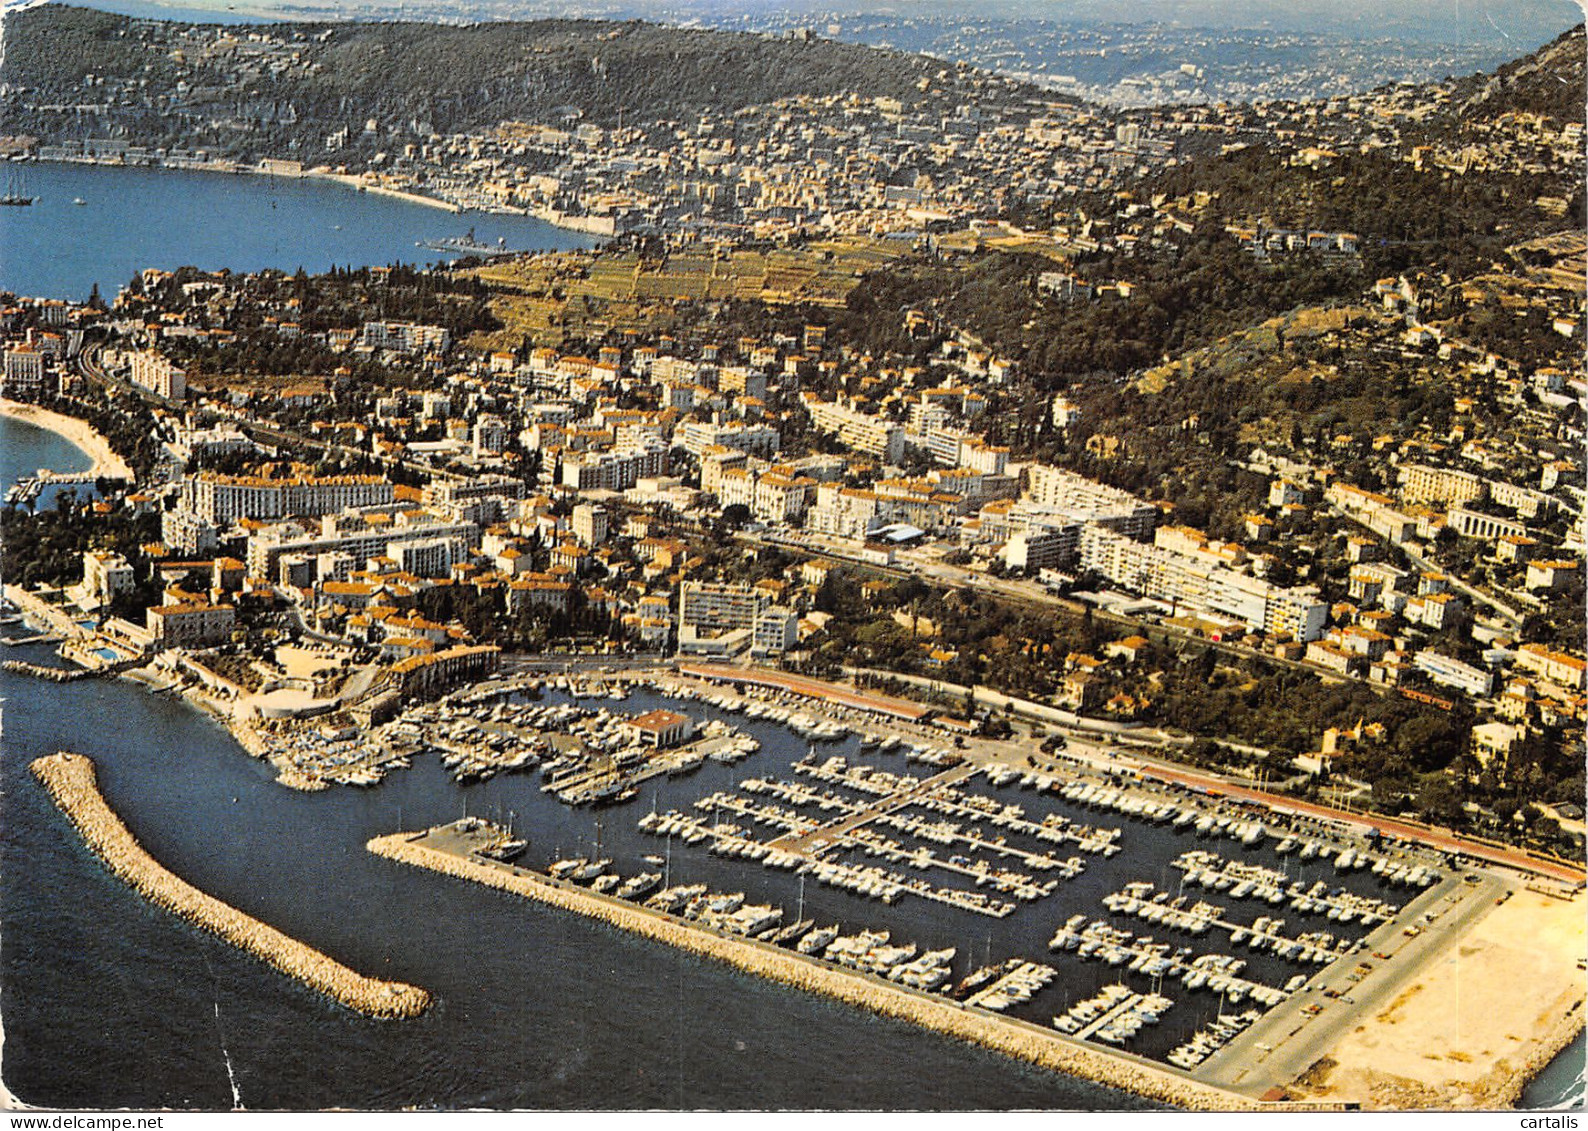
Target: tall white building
[(1194, 585), (1095, 503), (155, 372)]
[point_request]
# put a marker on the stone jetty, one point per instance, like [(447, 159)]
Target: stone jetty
[(43, 671), (1004, 1035), (71, 782)]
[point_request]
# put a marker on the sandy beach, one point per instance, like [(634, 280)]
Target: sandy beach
[(348, 180), (106, 462)]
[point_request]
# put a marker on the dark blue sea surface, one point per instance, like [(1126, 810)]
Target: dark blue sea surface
[(135, 218)]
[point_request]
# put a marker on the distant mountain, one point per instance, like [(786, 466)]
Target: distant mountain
[(454, 79)]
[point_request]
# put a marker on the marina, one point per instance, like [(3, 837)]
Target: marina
[(862, 841)]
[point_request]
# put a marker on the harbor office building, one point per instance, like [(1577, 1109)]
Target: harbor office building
[(661, 728)]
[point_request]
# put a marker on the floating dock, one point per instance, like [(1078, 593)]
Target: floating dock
[(72, 783)]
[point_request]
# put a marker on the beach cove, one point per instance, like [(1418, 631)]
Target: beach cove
[(103, 460)]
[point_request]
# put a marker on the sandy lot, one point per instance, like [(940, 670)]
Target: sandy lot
[(1467, 1031)]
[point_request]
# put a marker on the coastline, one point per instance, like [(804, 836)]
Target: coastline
[(578, 224), (353, 181), (105, 462), (1011, 1038), (71, 782)]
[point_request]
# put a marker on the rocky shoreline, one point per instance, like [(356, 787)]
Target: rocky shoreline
[(71, 781), (1001, 1035)]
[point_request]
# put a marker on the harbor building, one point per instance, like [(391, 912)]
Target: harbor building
[(189, 625), (661, 728), (425, 676)]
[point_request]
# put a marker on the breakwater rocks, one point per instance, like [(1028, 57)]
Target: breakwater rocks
[(1012, 1038), (1507, 1091), (43, 671), (71, 782)]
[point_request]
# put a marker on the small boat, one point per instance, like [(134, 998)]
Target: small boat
[(78, 200)]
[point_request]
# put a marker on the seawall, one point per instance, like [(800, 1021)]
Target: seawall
[(1012, 1038), (72, 783)]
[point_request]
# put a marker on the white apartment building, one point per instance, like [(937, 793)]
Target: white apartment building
[(106, 576), (405, 337), (1198, 586), (870, 435), (224, 499), (850, 512), (590, 524), (1420, 483), (1095, 503), (1449, 672), (612, 470), (426, 557), (267, 548), (155, 372), (695, 436)]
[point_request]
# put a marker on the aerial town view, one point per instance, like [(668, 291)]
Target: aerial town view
[(937, 557)]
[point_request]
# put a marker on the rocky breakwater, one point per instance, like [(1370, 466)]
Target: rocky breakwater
[(71, 782), (43, 671), (1004, 1035)]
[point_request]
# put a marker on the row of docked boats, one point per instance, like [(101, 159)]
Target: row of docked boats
[(1019, 982), (1209, 1039), (1101, 941), (592, 872), (1244, 880), (1139, 899), (1115, 1015)]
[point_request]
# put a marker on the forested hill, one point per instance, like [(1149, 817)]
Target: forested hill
[(461, 79), (1550, 81)]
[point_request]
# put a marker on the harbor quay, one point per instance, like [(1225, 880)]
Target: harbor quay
[(70, 780)]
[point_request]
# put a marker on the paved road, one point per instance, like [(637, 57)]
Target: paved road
[(1296, 1040)]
